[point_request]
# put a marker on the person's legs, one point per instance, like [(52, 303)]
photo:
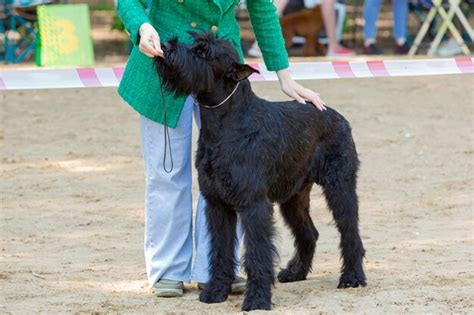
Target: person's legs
[(371, 14), (400, 19), (202, 237), (280, 6), (168, 200), (329, 18), (201, 244), (202, 241)]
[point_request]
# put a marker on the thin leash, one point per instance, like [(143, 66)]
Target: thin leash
[(166, 133)]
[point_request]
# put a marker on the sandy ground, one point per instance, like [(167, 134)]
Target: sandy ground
[(72, 204)]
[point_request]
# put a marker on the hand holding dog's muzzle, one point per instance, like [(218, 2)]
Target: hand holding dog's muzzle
[(149, 41)]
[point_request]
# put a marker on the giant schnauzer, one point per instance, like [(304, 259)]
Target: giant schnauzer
[(253, 153)]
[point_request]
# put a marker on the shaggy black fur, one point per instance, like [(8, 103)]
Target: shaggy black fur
[(253, 153)]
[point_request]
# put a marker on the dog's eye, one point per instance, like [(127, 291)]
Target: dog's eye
[(201, 53), (201, 50)]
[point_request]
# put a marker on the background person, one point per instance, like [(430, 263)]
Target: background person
[(400, 20), (329, 19)]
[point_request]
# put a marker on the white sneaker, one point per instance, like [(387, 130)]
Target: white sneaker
[(299, 40), (449, 48), (254, 52)]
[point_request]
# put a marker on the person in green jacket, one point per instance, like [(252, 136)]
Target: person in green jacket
[(168, 199)]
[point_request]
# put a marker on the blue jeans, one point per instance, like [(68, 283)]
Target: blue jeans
[(169, 206), (400, 18)]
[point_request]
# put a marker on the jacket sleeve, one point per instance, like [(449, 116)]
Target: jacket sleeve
[(267, 29), (133, 15)]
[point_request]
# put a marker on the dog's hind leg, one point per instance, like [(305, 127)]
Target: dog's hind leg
[(296, 214), (260, 252), (338, 178), (222, 223)]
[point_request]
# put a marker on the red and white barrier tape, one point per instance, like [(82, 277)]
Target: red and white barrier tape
[(110, 77)]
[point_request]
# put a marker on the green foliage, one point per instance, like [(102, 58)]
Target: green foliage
[(117, 24)]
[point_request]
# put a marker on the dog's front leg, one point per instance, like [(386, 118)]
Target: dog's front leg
[(259, 255), (221, 221)]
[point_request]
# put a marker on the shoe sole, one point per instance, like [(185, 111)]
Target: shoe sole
[(239, 288), (169, 293)]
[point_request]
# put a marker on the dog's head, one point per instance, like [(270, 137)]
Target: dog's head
[(201, 67)]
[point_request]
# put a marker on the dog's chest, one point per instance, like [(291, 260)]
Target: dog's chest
[(209, 165), (217, 173)]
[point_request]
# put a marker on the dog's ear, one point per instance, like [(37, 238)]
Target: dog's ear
[(193, 34), (239, 71), (201, 35)]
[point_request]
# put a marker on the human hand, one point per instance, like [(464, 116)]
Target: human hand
[(149, 41), (295, 90)]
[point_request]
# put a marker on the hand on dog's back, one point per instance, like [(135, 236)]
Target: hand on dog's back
[(298, 92)]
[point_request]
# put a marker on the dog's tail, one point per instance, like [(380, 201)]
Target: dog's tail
[(336, 146), (329, 123)]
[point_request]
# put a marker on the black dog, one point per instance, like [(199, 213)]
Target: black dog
[(252, 153)]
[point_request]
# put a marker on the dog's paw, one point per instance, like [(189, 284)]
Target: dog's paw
[(251, 304), (352, 280), (212, 296), (290, 275)]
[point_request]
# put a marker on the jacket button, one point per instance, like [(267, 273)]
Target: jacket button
[(180, 1), (193, 24), (214, 29)]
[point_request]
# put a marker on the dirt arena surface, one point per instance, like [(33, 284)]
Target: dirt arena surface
[(73, 187)]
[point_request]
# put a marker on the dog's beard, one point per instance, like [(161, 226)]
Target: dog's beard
[(169, 78)]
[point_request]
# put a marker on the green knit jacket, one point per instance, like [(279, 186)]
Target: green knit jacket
[(140, 83)]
